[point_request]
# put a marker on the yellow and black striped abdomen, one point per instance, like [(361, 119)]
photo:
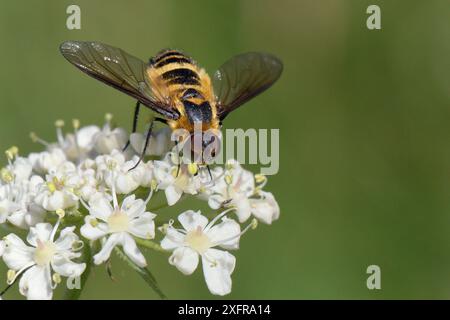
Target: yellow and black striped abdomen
[(174, 67), (169, 56), (178, 81)]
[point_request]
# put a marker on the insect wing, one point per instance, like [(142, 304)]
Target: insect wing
[(116, 68), (242, 78)]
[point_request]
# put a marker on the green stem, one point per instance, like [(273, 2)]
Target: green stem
[(146, 275), (149, 244), (74, 294)]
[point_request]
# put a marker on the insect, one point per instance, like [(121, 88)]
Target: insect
[(174, 86)]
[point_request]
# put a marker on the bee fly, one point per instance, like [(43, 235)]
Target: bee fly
[(174, 86)]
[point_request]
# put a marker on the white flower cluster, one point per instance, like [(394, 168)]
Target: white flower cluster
[(81, 192)]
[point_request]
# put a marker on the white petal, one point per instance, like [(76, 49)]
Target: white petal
[(85, 136), (185, 259), (44, 161), (36, 283), (160, 142), (2, 247), (172, 240), (108, 246), (51, 201), (173, 194), (146, 176), (5, 209), (243, 208), (137, 142), (56, 201), (265, 209), (101, 208), (190, 220), (18, 219), (217, 268), (66, 239), (225, 234), (107, 140), (143, 226), (244, 182), (21, 169), (132, 251), (125, 183), (41, 231), (67, 268), (26, 217), (162, 173), (132, 206), (17, 254), (215, 201), (93, 233)]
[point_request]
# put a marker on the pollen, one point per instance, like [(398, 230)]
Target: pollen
[(10, 276), (153, 184), (56, 278), (112, 164), (34, 137), (6, 175), (259, 178), (192, 168), (59, 123), (228, 179), (174, 172), (254, 224), (108, 117), (76, 124), (51, 186), (61, 213), (93, 222), (55, 184), (12, 152)]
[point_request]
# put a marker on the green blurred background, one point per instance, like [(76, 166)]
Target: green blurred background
[(364, 126)]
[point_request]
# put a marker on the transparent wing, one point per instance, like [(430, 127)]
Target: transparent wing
[(242, 78), (116, 68)]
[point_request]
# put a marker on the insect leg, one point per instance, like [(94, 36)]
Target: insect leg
[(161, 120), (147, 140), (179, 160), (135, 120), (209, 171)]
